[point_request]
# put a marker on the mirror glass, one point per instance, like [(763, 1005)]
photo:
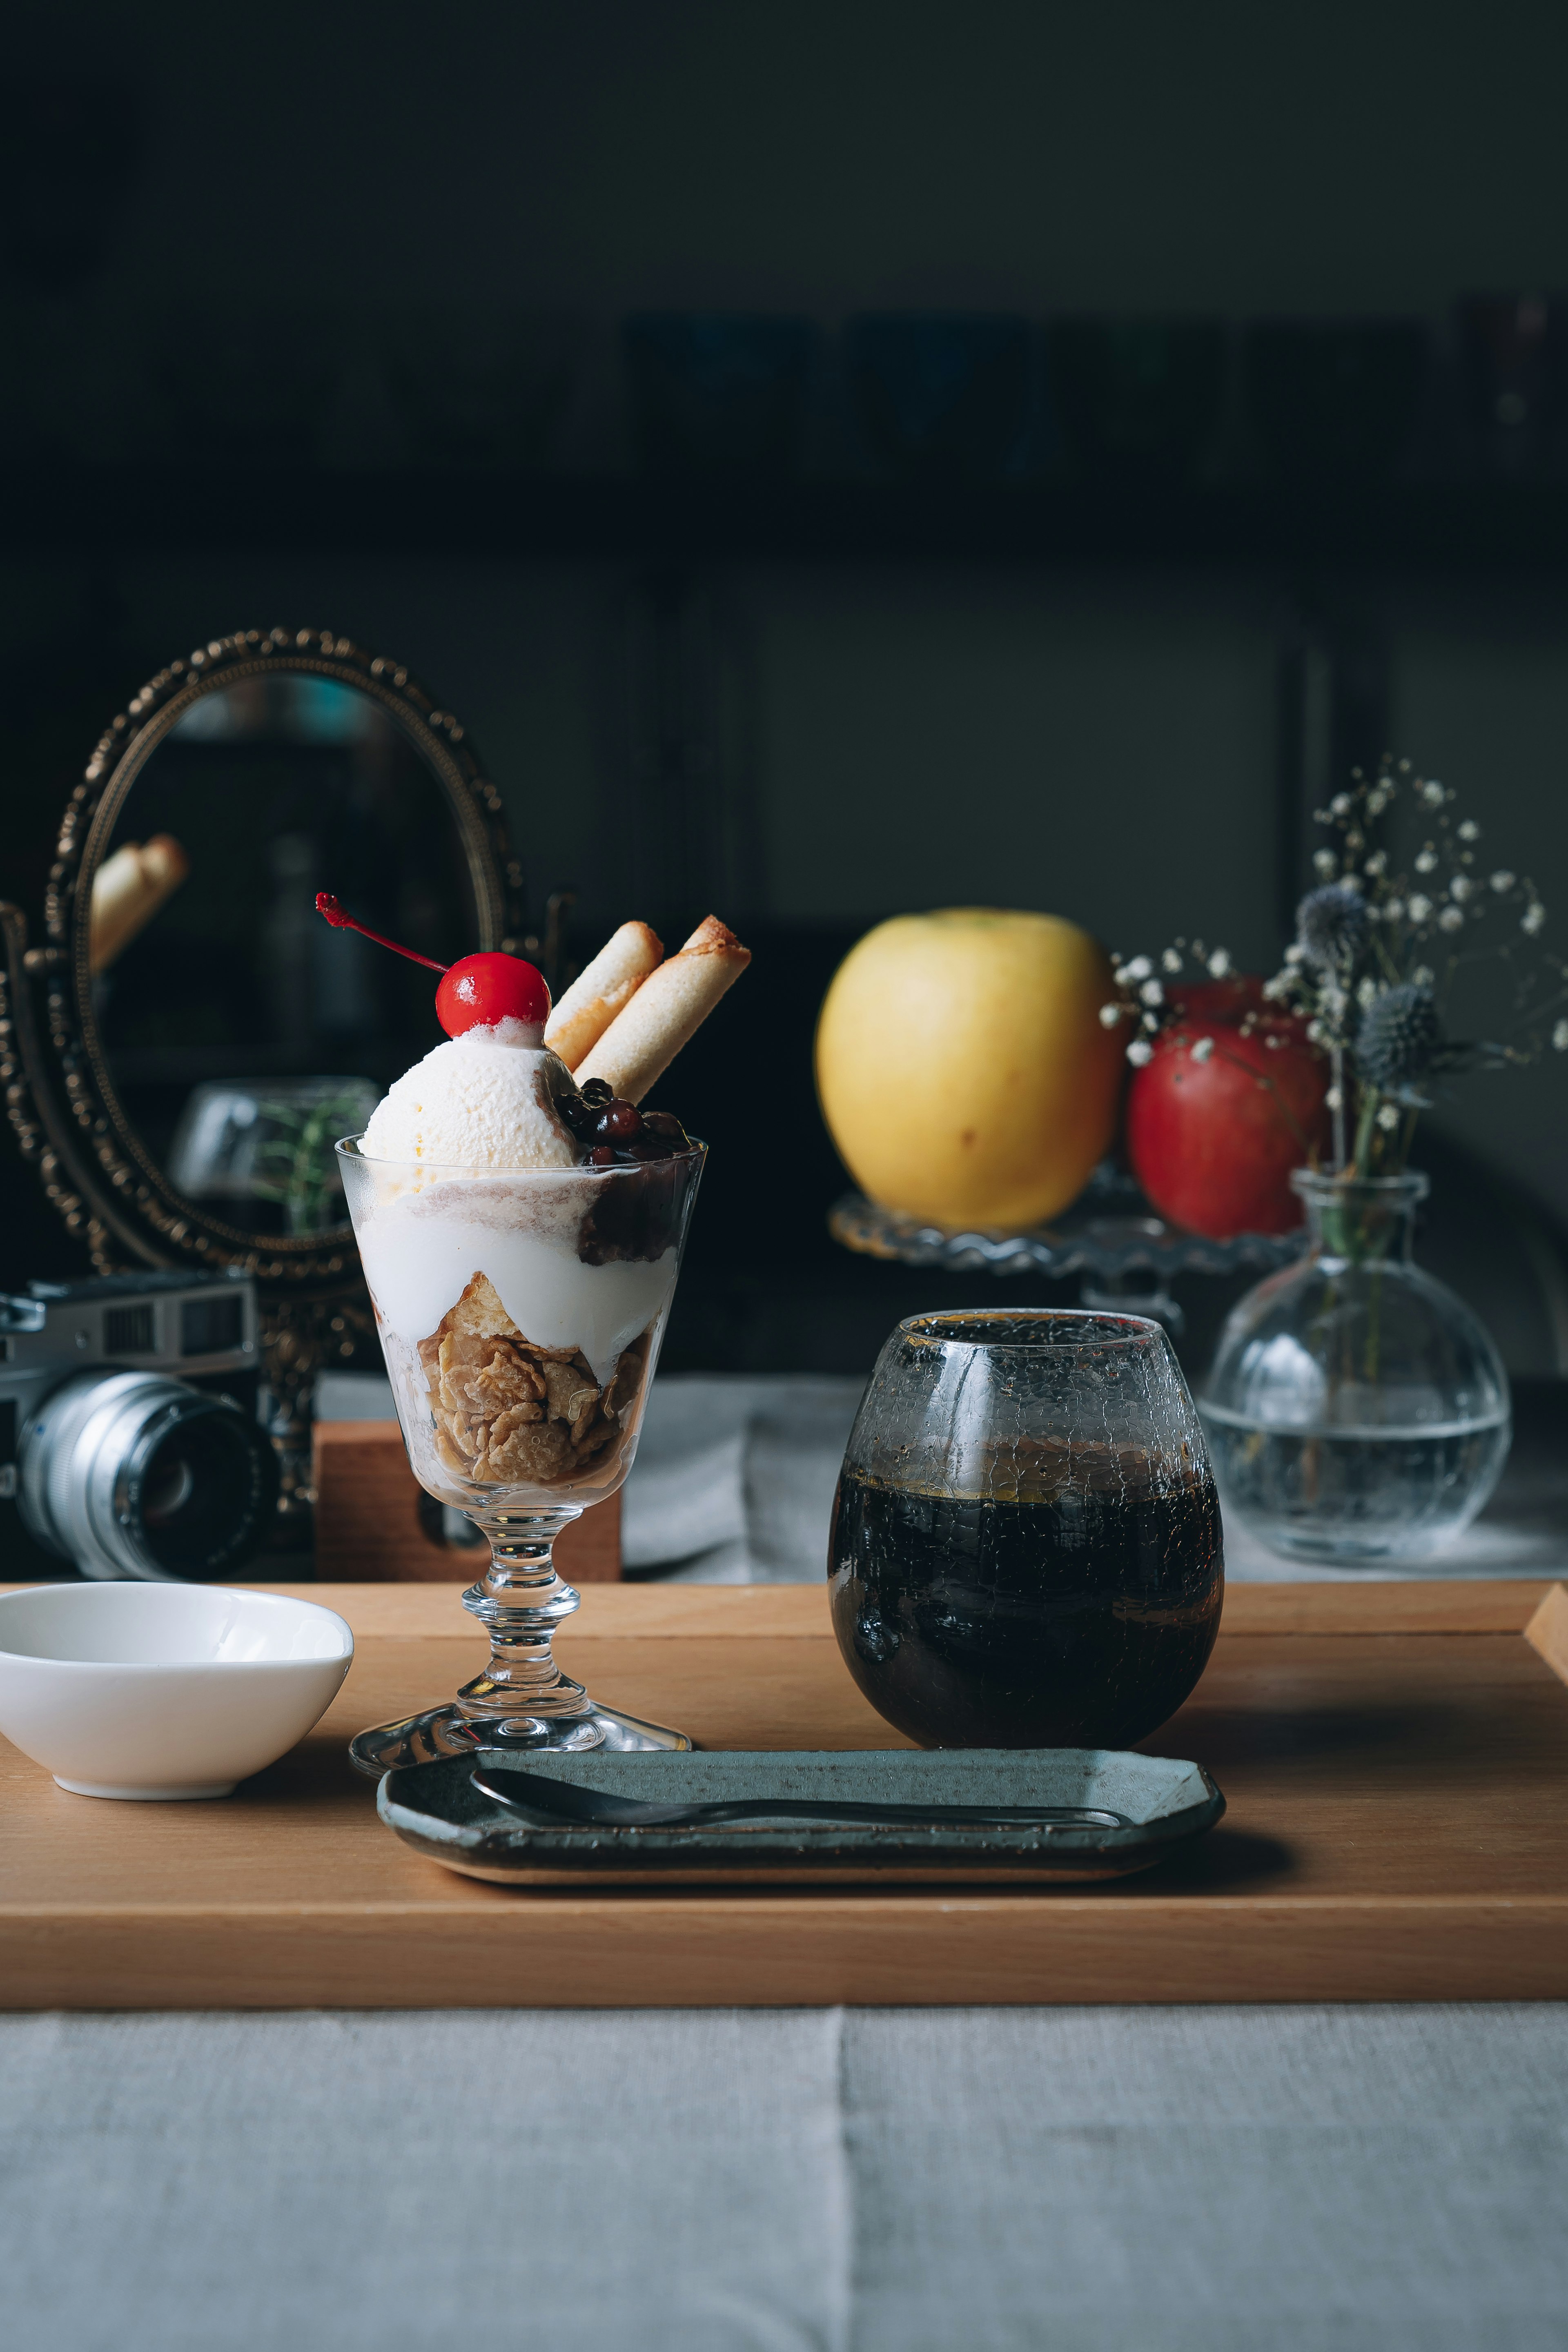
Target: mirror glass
[(244, 1034)]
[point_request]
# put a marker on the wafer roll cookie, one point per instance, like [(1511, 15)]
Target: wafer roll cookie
[(127, 890), (602, 990), (669, 1007)]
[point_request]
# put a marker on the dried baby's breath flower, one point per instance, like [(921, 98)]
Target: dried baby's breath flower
[(1109, 1015), (1351, 980)]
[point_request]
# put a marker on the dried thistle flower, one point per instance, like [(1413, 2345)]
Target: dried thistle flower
[(1331, 927), (1398, 1042)]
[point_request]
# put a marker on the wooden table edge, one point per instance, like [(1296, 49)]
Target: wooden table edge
[(795, 1952)]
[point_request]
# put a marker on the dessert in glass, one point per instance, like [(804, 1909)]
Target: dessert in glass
[(521, 1222)]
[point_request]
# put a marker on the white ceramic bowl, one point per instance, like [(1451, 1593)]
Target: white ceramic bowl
[(164, 1690)]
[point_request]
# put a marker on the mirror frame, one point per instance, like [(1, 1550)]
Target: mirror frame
[(59, 1093)]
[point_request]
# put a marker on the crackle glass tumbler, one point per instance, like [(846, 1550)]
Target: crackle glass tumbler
[(1025, 1550)]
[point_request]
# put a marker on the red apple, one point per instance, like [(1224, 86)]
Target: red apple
[(1213, 1138)]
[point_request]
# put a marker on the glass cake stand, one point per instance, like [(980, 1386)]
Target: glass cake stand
[(1124, 1255)]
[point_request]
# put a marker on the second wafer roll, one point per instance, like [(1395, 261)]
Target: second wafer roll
[(601, 991), (668, 1008)]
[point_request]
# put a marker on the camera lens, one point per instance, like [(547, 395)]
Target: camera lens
[(132, 1473)]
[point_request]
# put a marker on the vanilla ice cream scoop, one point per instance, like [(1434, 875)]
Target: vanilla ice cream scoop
[(485, 1099)]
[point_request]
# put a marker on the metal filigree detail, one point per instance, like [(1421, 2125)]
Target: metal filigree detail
[(59, 1094)]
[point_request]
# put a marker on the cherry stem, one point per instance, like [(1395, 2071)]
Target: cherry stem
[(327, 906)]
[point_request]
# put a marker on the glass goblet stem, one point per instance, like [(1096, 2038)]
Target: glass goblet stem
[(520, 1600)]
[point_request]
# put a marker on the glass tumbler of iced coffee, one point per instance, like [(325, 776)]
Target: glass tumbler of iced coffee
[(1027, 1548)]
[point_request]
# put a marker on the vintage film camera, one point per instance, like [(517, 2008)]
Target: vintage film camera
[(129, 1439)]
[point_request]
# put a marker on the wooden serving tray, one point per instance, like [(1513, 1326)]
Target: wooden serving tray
[(1395, 1758)]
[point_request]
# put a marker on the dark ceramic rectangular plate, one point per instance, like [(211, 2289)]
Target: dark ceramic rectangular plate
[(437, 1808)]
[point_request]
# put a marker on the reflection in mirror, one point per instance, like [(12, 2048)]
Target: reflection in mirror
[(243, 1036)]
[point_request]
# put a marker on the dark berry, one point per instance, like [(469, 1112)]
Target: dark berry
[(602, 1155), (597, 1091), (665, 1123), (647, 1146), (618, 1123)]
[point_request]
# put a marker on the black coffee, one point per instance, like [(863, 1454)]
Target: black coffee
[(1078, 1615)]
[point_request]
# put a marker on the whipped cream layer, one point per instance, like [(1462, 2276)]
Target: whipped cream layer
[(485, 1099), (422, 1242)]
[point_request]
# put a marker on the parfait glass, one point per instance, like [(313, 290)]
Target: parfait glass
[(520, 1312)]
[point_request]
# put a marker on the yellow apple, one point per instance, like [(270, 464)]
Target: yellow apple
[(962, 1067)]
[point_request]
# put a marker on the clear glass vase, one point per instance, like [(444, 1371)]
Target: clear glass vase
[(1357, 1410)]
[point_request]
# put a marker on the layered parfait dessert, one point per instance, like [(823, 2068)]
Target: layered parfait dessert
[(520, 1217)]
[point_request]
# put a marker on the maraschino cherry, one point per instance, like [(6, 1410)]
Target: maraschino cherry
[(481, 990), (477, 992)]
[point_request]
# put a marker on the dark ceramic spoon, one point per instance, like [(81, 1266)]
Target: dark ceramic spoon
[(535, 1793)]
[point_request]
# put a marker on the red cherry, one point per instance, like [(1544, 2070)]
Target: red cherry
[(480, 989)]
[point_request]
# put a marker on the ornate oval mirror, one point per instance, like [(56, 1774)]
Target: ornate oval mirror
[(194, 1037)]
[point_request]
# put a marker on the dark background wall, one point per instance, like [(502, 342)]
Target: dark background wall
[(1099, 739)]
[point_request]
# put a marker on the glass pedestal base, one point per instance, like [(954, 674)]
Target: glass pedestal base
[(447, 1731)]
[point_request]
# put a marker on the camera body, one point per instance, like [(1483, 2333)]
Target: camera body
[(128, 1440)]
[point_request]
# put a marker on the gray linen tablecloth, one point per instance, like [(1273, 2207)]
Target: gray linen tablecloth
[(1064, 2180)]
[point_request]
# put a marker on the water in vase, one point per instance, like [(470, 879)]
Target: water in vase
[(1362, 1493)]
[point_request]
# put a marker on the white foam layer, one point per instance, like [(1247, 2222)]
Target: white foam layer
[(421, 1248)]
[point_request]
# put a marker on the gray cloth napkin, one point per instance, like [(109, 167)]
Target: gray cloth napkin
[(735, 1477)]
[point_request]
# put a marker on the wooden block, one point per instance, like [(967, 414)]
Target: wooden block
[(375, 1525)]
